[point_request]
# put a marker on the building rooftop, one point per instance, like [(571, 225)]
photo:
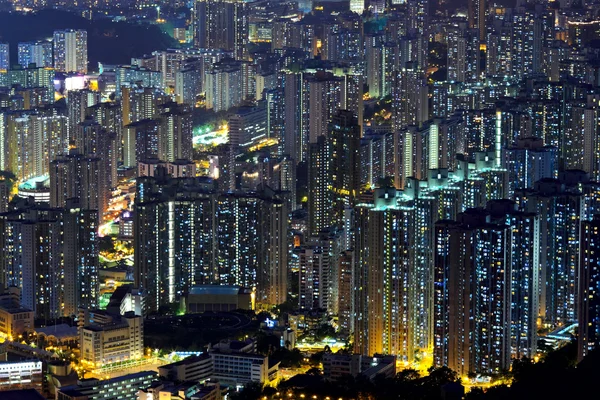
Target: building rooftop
[(14, 308), (241, 355), (35, 183), (187, 360), (215, 290), (91, 382), (60, 331)]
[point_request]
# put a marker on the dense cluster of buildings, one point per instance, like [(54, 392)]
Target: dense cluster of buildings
[(429, 177)]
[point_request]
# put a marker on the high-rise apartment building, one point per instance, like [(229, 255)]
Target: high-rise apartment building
[(222, 24), (78, 102), (560, 210), (323, 100), (377, 156), (26, 144), (52, 133), (108, 115), (188, 85), (4, 56), (318, 271), (251, 234), (294, 142), (247, 126), (476, 16), (70, 51), (589, 286), (381, 277), (173, 237), (580, 144), (344, 146), (175, 142), (409, 97), (463, 54), (51, 255), (30, 259), (320, 196), (92, 140), (223, 86), (229, 239), (81, 286), (472, 289), (141, 141), (75, 175), (529, 161), (38, 53), (37, 78)]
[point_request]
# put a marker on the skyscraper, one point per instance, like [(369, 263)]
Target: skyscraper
[(4, 56), (324, 99), (51, 255), (320, 196), (357, 6), (560, 211), (463, 54), (80, 254), (476, 15), (472, 287), (78, 102), (222, 24), (175, 132), (589, 272), (31, 258), (140, 141), (251, 234), (92, 140), (344, 139), (319, 260), (38, 53), (294, 142), (173, 237), (108, 115), (528, 162), (247, 126), (581, 146), (70, 51), (381, 276), (75, 175), (409, 97), (223, 86), (185, 234), (272, 285)]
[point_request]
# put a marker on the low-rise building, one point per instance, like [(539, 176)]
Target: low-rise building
[(237, 369), (231, 363), (127, 298), (61, 335), (166, 390), (20, 375), (121, 388), (107, 338), (15, 320), (193, 368), (219, 298), (234, 346), (338, 365)]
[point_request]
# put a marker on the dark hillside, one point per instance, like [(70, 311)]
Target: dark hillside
[(108, 42)]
